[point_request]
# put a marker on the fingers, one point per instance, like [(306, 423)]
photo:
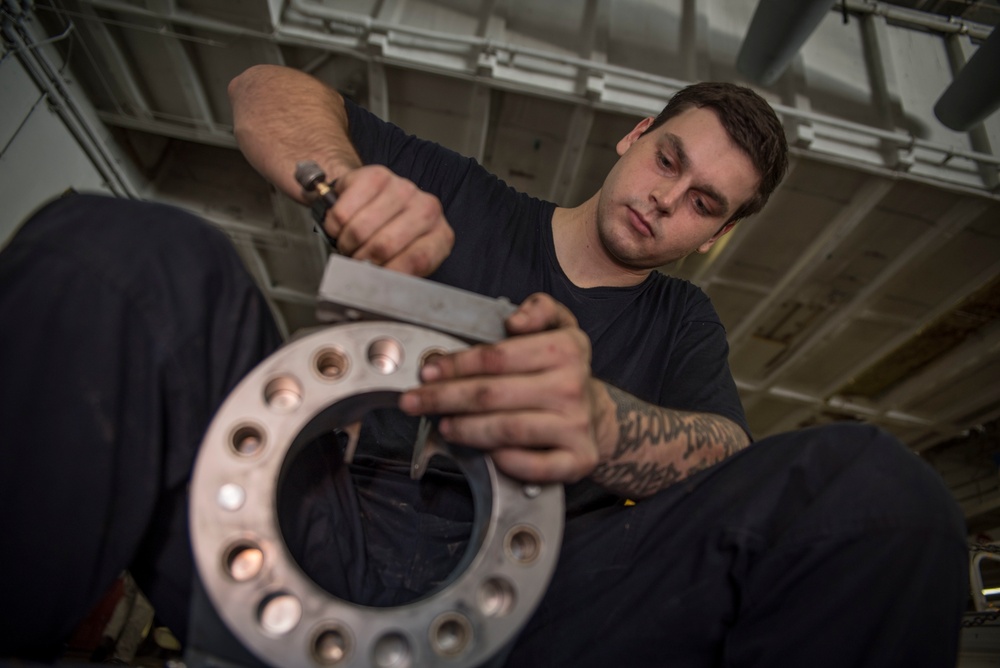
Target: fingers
[(529, 445), (548, 391), (529, 429), (388, 221), (537, 313), (551, 465), (364, 196), (518, 355), (420, 257), (528, 400)]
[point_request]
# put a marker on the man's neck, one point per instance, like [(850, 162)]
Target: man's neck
[(581, 254)]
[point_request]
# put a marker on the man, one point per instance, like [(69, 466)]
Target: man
[(833, 545), (678, 187)]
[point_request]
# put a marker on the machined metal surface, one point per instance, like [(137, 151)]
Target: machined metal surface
[(325, 381), (353, 290)]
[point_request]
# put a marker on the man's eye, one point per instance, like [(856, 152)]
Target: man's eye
[(664, 161), (701, 207)]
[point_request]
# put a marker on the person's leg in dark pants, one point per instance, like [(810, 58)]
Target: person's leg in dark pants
[(832, 546), (123, 325)]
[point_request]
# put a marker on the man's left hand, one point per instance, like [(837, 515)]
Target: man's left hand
[(529, 400)]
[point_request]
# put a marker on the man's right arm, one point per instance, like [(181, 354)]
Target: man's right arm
[(282, 116)]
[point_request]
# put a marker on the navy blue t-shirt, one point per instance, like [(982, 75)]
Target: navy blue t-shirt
[(661, 340)]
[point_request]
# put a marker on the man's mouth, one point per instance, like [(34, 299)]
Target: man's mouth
[(640, 224)]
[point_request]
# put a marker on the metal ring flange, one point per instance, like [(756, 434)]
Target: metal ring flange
[(320, 382)]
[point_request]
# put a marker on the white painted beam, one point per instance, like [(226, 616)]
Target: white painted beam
[(553, 75), (885, 88)]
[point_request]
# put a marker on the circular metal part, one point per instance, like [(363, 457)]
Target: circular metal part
[(496, 597), (385, 355), (326, 381), (247, 440), (523, 544), (279, 613), (430, 355), (244, 561), (283, 394), (332, 646), (392, 651), (331, 363), (451, 634), (231, 496)]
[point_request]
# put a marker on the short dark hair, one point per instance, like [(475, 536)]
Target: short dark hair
[(750, 122)]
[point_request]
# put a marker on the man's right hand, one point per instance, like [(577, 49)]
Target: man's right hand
[(387, 220), (282, 116)]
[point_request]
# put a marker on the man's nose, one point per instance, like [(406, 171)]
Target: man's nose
[(666, 196)]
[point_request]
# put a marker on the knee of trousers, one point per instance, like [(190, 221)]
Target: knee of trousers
[(875, 476), (127, 238)]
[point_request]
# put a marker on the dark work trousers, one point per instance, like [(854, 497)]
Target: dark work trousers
[(124, 325)]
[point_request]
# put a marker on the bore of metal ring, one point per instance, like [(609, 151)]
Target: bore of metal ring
[(324, 381)]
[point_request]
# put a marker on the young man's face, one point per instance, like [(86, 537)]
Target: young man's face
[(673, 190)]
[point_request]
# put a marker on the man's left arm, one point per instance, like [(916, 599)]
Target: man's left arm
[(532, 402), (651, 447)]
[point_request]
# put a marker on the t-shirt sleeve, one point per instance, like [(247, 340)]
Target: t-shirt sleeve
[(698, 375), (432, 167)]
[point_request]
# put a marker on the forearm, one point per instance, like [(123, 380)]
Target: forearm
[(645, 448), (282, 116)]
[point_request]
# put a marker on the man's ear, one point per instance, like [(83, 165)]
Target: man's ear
[(704, 248), (629, 139)]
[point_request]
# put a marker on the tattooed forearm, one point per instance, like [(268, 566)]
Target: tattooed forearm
[(636, 479), (656, 447), (643, 425)]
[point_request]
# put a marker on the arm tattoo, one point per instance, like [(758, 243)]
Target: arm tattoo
[(698, 439)]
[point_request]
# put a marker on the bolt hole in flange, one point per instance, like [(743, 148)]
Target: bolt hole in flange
[(392, 651), (523, 544), (430, 355), (231, 497), (451, 634), (332, 363), (247, 440), (332, 646), (385, 355), (279, 613), (283, 394), (244, 561), (496, 597)]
